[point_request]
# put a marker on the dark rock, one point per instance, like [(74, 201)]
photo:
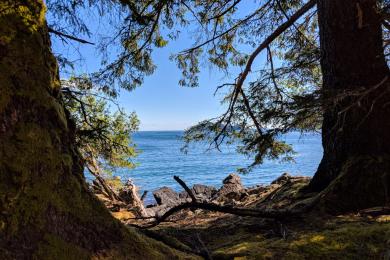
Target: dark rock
[(183, 195), (285, 177), (157, 211), (166, 196), (204, 192), (232, 179), (232, 189), (201, 192), (256, 190)]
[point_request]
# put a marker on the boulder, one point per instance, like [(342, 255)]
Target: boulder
[(232, 179), (232, 189), (201, 192), (285, 177), (255, 190), (183, 195), (157, 211), (166, 196)]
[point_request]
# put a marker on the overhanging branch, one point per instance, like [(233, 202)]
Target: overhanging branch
[(242, 77), (71, 37)]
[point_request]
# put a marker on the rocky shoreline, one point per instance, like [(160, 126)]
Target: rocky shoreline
[(217, 235), (232, 192)]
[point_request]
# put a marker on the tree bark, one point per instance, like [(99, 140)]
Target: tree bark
[(46, 210), (355, 130)]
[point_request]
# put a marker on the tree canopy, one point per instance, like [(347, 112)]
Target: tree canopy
[(264, 101), (331, 71)]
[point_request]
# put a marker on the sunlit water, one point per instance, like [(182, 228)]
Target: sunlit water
[(161, 159)]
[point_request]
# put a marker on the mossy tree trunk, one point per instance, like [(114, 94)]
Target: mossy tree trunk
[(46, 210), (356, 132)]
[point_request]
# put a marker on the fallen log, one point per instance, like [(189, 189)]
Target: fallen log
[(278, 214)]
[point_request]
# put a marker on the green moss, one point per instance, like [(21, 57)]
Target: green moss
[(53, 247), (45, 205), (362, 183), (345, 241)]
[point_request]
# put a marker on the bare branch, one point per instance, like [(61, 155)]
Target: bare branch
[(296, 28), (225, 11), (242, 77), (185, 187), (64, 35), (241, 22), (144, 195), (239, 211)]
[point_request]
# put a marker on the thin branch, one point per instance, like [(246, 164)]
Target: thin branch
[(296, 28), (225, 11), (250, 112), (205, 249), (64, 35), (144, 195), (242, 77), (192, 12), (185, 187), (241, 22)]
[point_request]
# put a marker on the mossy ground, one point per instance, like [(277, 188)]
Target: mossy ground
[(352, 238)]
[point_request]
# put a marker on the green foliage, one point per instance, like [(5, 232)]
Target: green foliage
[(279, 95), (282, 95), (102, 131)]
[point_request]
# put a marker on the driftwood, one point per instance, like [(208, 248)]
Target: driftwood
[(94, 169), (134, 200), (128, 196), (185, 187), (98, 188), (278, 214)]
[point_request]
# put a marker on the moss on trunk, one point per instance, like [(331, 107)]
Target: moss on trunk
[(46, 210), (364, 182)]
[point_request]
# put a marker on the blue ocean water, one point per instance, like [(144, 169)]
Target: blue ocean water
[(161, 159)]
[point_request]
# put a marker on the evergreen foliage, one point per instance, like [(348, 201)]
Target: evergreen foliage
[(103, 129), (263, 102)]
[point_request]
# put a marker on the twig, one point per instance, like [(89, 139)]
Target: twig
[(296, 28), (225, 11), (206, 252), (61, 34), (238, 24), (185, 187), (144, 195), (250, 112)]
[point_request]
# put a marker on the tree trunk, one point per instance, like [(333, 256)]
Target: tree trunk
[(356, 130), (46, 210)]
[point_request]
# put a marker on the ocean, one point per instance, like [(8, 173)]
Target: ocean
[(160, 159)]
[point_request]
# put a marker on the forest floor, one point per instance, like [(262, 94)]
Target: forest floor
[(314, 235)]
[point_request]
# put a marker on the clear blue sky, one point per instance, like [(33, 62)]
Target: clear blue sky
[(160, 103)]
